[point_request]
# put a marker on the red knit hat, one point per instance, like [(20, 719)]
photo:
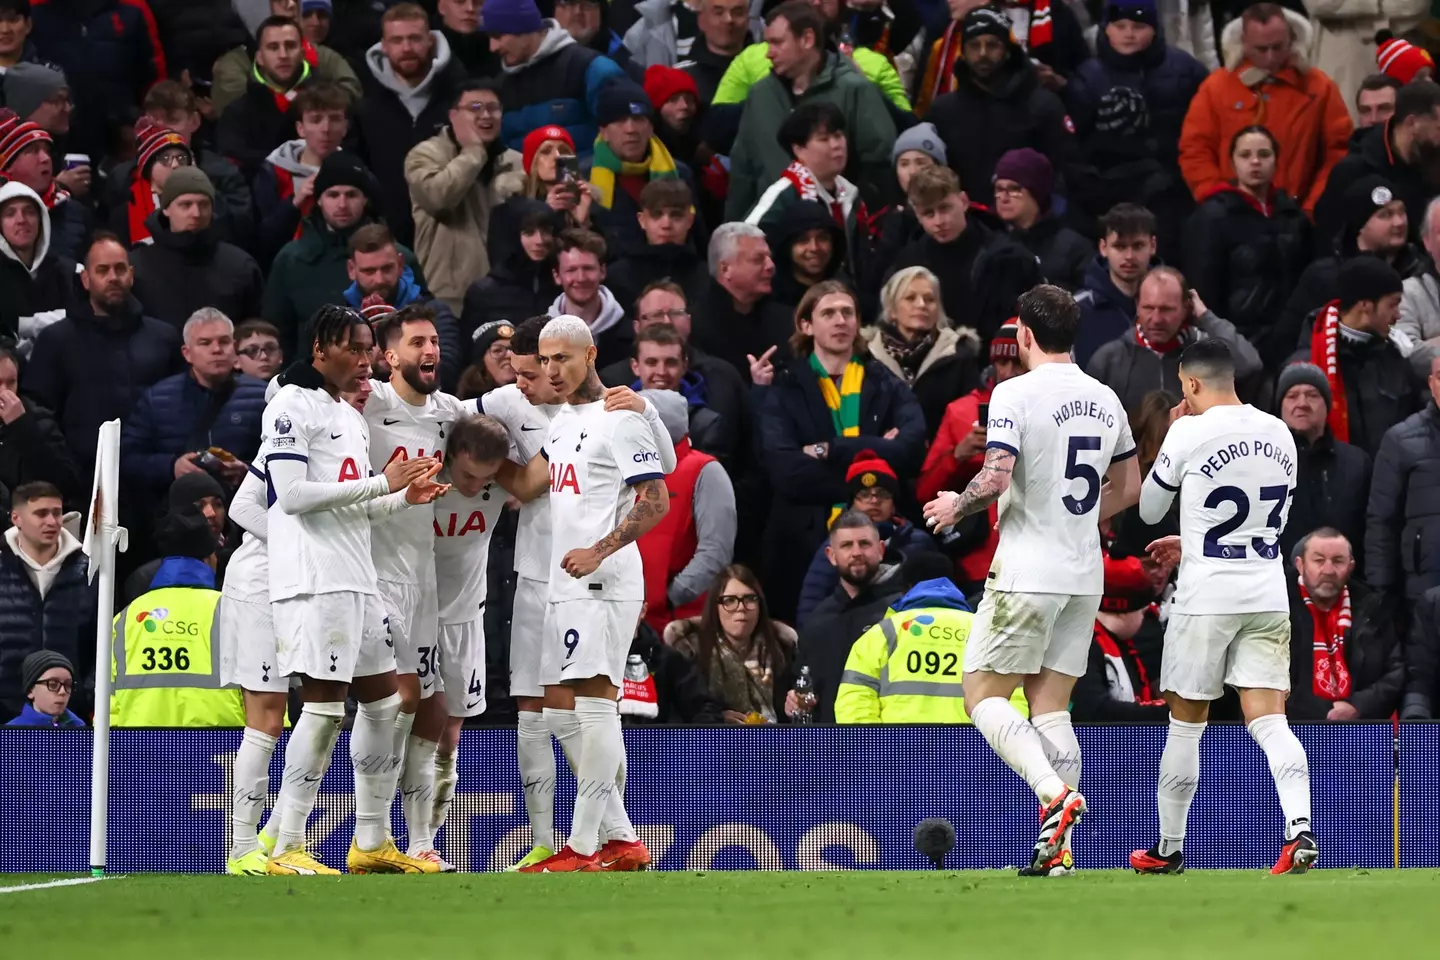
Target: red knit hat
[(151, 137), (1006, 341), (540, 135), (374, 307), (662, 83), (869, 470), (1400, 59), (16, 135)]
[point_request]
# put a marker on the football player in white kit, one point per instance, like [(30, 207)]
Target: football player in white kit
[(1234, 468), (606, 488), (1052, 435), (329, 623)]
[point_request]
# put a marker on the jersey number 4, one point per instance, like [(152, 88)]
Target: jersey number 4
[(1076, 470), (1224, 551)]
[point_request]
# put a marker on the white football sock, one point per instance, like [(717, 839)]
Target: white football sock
[(536, 759), (417, 793), (307, 757), (1016, 741), (1061, 747), (1179, 779), (445, 777), (600, 751), (1289, 767), (251, 777), (372, 754), (565, 728), (616, 825), (403, 724)]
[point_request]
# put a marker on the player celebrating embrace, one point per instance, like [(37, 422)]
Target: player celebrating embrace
[(1051, 435), (1234, 468), (604, 467)]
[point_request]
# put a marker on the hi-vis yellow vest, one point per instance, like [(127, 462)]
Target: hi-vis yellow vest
[(165, 665)]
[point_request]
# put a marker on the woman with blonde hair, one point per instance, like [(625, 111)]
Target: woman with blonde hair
[(916, 341)]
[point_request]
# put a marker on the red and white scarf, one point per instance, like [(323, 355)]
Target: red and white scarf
[(1332, 674), (1324, 353), (1161, 349), (808, 188)]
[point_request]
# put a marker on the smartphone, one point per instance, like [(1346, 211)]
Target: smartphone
[(567, 169), (201, 88), (984, 415)]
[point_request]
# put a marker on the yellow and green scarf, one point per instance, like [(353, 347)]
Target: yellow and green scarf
[(844, 405), (606, 167)]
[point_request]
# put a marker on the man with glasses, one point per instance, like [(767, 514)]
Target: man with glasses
[(48, 697), (257, 349), (456, 178), (46, 607)]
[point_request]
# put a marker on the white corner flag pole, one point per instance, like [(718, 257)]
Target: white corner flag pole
[(103, 536)]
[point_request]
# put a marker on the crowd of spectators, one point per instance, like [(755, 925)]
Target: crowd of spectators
[(801, 227)]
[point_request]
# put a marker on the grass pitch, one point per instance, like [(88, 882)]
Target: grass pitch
[(772, 916)]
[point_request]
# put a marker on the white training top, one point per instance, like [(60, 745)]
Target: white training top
[(595, 459), (1234, 468), (247, 575), (1065, 429), (528, 426), (462, 527)]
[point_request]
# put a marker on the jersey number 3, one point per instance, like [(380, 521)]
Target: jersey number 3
[(1224, 551), (1075, 470)]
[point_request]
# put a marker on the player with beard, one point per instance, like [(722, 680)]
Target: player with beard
[(600, 467)]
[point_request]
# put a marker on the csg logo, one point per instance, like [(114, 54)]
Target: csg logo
[(158, 621), (914, 625), (647, 457), (151, 619)]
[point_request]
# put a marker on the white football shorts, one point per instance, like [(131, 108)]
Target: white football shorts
[(461, 672), (333, 636), (1204, 652), (527, 633), (1018, 633), (414, 613), (588, 638), (247, 645)]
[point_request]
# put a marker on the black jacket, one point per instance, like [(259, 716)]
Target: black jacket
[(1422, 660), (63, 621), (53, 286), (706, 69), (1017, 112), (1372, 654), (722, 331), (1007, 269), (1096, 696), (793, 415), (680, 691), (1381, 390), (181, 272), (1064, 255), (233, 206), (640, 266), (725, 394), (800, 218), (832, 629), (1370, 153), (252, 127), (620, 225), (1402, 522), (1244, 261), (515, 290), (32, 448), (90, 369), (1332, 485)]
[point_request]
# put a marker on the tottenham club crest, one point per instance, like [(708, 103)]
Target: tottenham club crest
[(282, 424)]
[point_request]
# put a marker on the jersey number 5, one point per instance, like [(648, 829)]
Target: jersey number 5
[(1075, 470), (1224, 551)]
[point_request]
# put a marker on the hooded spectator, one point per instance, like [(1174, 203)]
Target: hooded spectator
[(187, 266), (31, 446), (48, 679), (285, 186), (411, 88), (25, 158), (1248, 243), (549, 79), (235, 70), (998, 90), (310, 271), (1024, 182), (738, 320), (809, 246), (456, 178), (37, 285), (1345, 659), (918, 343), (93, 365), (1332, 478), (667, 218), (459, 23), (1169, 317), (676, 100), (1266, 80), (521, 285), (1112, 281)]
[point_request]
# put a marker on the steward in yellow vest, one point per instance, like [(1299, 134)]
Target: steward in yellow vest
[(908, 667), (164, 661)]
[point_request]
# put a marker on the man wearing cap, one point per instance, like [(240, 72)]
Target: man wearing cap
[(164, 664), (1332, 478), (39, 93), (310, 271), (1024, 181), (48, 680), (25, 158), (158, 151), (548, 77), (998, 91), (45, 601), (696, 539), (186, 265)]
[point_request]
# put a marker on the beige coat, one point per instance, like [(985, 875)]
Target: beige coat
[(452, 210)]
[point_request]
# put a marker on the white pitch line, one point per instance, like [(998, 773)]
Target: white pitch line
[(20, 888)]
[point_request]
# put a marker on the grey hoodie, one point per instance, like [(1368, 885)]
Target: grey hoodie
[(556, 38), (415, 98), (287, 158), (611, 313)]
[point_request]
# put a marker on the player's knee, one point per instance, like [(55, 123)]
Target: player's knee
[(982, 685), (265, 712), (1187, 711), (409, 687), (1256, 703), (559, 697)]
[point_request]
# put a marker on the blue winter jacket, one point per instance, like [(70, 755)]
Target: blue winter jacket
[(902, 539), (560, 86), (62, 621), (30, 717), (1106, 312), (156, 431)]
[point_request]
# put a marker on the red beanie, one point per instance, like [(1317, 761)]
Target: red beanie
[(1005, 343), (16, 135), (662, 83), (1398, 58), (151, 138), (869, 470), (540, 135)]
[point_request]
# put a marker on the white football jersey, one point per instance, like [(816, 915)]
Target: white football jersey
[(1234, 468), (1065, 429), (403, 546), (323, 551), (528, 425), (595, 458), (462, 549), (248, 572)]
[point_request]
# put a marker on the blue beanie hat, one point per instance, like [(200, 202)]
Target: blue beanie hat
[(511, 17)]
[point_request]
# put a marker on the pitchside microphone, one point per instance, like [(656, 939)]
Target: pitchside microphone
[(935, 838)]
